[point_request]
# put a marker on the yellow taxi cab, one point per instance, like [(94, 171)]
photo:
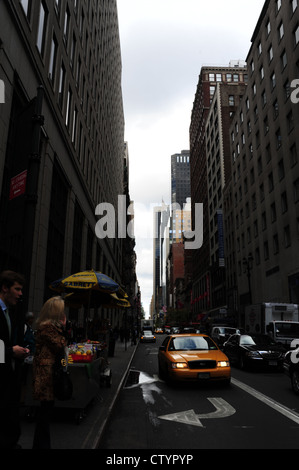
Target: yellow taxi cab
[(192, 357), (158, 331)]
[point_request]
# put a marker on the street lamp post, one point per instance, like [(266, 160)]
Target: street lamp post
[(247, 263)]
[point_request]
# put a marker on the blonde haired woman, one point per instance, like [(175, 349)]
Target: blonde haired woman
[(50, 341)]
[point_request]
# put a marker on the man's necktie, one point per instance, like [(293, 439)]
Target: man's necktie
[(6, 313)]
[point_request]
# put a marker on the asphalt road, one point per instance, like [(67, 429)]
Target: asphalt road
[(257, 411)]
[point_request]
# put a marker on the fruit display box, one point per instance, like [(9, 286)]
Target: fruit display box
[(82, 358)]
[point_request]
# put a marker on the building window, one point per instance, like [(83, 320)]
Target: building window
[(270, 182), (53, 57), (273, 212), (283, 60), (294, 5), (266, 125), (278, 139), (296, 190), (74, 131), (270, 53), (231, 100), (57, 7), (293, 155), (42, 28), (287, 89), (296, 35), (275, 244), (257, 256), (281, 172), (284, 202), (273, 80), (268, 27), (275, 109), (61, 85), (73, 52), (290, 121), (280, 31), (26, 4), (287, 236), (266, 250), (66, 25), (68, 108)]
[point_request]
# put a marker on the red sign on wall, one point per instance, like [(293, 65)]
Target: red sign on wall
[(18, 185)]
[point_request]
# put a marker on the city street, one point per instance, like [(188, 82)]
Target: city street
[(257, 411)]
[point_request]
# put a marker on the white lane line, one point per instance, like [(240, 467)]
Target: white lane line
[(268, 401)]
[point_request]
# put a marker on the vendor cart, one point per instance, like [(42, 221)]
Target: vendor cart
[(87, 378)]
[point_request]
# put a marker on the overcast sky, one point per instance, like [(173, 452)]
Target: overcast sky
[(164, 44)]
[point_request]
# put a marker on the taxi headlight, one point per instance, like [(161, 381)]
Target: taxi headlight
[(179, 365), (223, 364)]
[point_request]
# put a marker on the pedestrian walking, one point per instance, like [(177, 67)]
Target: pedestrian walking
[(11, 285), (50, 341)]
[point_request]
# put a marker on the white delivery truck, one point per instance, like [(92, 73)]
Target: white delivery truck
[(278, 320), (147, 325)]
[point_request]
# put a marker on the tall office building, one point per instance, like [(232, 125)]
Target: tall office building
[(62, 139), (160, 250), (209, 77), (265, 167), (180, 178), (225, 103)]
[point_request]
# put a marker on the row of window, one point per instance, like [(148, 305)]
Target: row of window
[(79, 50), (293, 5)]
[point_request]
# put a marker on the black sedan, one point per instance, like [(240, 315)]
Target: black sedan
[(254, 350)]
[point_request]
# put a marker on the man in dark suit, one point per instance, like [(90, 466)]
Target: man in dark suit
[(11, 285)]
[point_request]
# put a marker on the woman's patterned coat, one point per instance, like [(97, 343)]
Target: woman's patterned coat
[(49, 342)]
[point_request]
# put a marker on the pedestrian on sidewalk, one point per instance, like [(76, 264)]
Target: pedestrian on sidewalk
[(11, 285), (50, 341)]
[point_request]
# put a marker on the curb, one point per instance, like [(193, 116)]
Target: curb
[(103, 425)]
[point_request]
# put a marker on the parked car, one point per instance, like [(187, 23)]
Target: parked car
[(291, 368), (192, 357), (220, 334), (147, 337), (254, 350)]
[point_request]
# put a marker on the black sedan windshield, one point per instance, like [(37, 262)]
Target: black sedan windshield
[(258, 340)]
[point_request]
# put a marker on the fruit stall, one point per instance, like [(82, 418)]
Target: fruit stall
[(89, 370)]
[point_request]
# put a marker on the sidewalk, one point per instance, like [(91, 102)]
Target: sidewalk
[(65, 433)]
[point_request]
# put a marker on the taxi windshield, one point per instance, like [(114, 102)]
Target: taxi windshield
[(202, 343)]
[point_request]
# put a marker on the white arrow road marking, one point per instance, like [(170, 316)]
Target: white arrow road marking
[(223, 410)]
